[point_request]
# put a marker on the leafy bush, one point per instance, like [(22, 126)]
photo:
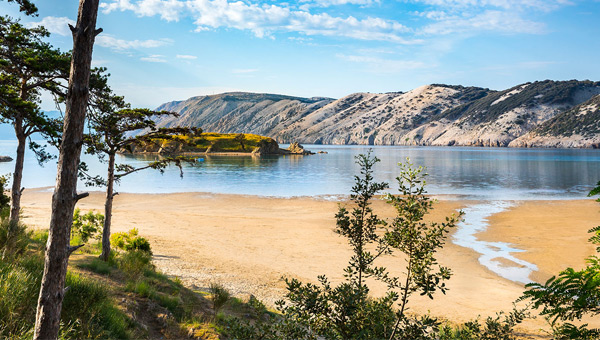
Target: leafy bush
[(500, 327), (130, 241), (86, 226), (347, 311)]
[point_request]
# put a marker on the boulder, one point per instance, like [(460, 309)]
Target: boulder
[(267, 148), (297, 149)]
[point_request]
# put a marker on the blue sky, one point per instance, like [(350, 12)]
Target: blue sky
[(162, 50)]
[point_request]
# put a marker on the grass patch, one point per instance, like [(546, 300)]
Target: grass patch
[(88, 311), (97, 266)]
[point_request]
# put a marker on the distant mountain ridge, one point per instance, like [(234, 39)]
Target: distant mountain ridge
[(539, 114)]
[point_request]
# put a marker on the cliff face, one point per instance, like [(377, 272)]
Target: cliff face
[(429, 115)]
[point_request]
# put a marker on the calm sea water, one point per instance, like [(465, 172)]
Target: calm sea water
[(494, 176), (479, 173)]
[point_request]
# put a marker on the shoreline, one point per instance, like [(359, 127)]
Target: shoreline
[(249, 242)]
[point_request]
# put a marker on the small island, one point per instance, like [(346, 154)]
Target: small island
[(230, 144)]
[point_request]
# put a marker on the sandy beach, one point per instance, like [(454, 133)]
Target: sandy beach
[(248, 243)]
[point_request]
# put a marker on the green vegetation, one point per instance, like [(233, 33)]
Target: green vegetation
[(130, 241), (213, 142), (219, 297), (88, 311), (347, 311), (573, 121), (86, 226)]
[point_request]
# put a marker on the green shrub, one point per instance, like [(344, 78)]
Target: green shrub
[(86, 226), (4, 199), (219, 296), (135, 263), (501, 327), (143, 288), (130, 241), (14, 238)]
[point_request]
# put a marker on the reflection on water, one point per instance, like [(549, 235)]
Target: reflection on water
[(481, 173)]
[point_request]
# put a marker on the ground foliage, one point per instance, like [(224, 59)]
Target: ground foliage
[(87, 313)]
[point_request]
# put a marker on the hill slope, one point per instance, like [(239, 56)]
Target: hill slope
[(578, 127), (235, 112), (429, 115)]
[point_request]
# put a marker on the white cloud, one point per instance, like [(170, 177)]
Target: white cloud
[(385, 66), (185, 56), (264, 20), (328, 3), (544, 5), (109, 41), (496, 21), (155, 58), (169, 10), (58, 25)]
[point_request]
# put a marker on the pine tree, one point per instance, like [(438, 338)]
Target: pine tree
[(52, 291)]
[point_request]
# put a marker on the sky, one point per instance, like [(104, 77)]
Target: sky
[(162, 50)]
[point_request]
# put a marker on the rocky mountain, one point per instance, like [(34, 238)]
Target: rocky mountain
[(578, 127), (532, 114), (234, 112)]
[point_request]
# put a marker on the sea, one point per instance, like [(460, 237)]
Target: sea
[(497, 178)]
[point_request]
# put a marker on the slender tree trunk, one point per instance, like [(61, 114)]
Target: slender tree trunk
[(15, 193), (108, 208), (65, 196)]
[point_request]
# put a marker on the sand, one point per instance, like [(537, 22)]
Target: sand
[(248, 243)]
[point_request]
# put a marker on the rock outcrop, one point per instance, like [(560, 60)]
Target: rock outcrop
[(297, 149)]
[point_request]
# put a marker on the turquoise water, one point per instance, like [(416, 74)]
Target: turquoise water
[(479, 173)]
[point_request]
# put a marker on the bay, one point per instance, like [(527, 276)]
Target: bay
[(464, 172), (494, 177)]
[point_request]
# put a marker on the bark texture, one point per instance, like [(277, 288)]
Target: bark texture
[(65, 193), (15, 193), (108, 208)]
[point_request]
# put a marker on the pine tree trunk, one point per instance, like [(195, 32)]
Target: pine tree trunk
[(108, 208), (15, 193), (52, 290)]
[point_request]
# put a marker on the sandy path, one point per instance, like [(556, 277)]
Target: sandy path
[(248, 243)]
